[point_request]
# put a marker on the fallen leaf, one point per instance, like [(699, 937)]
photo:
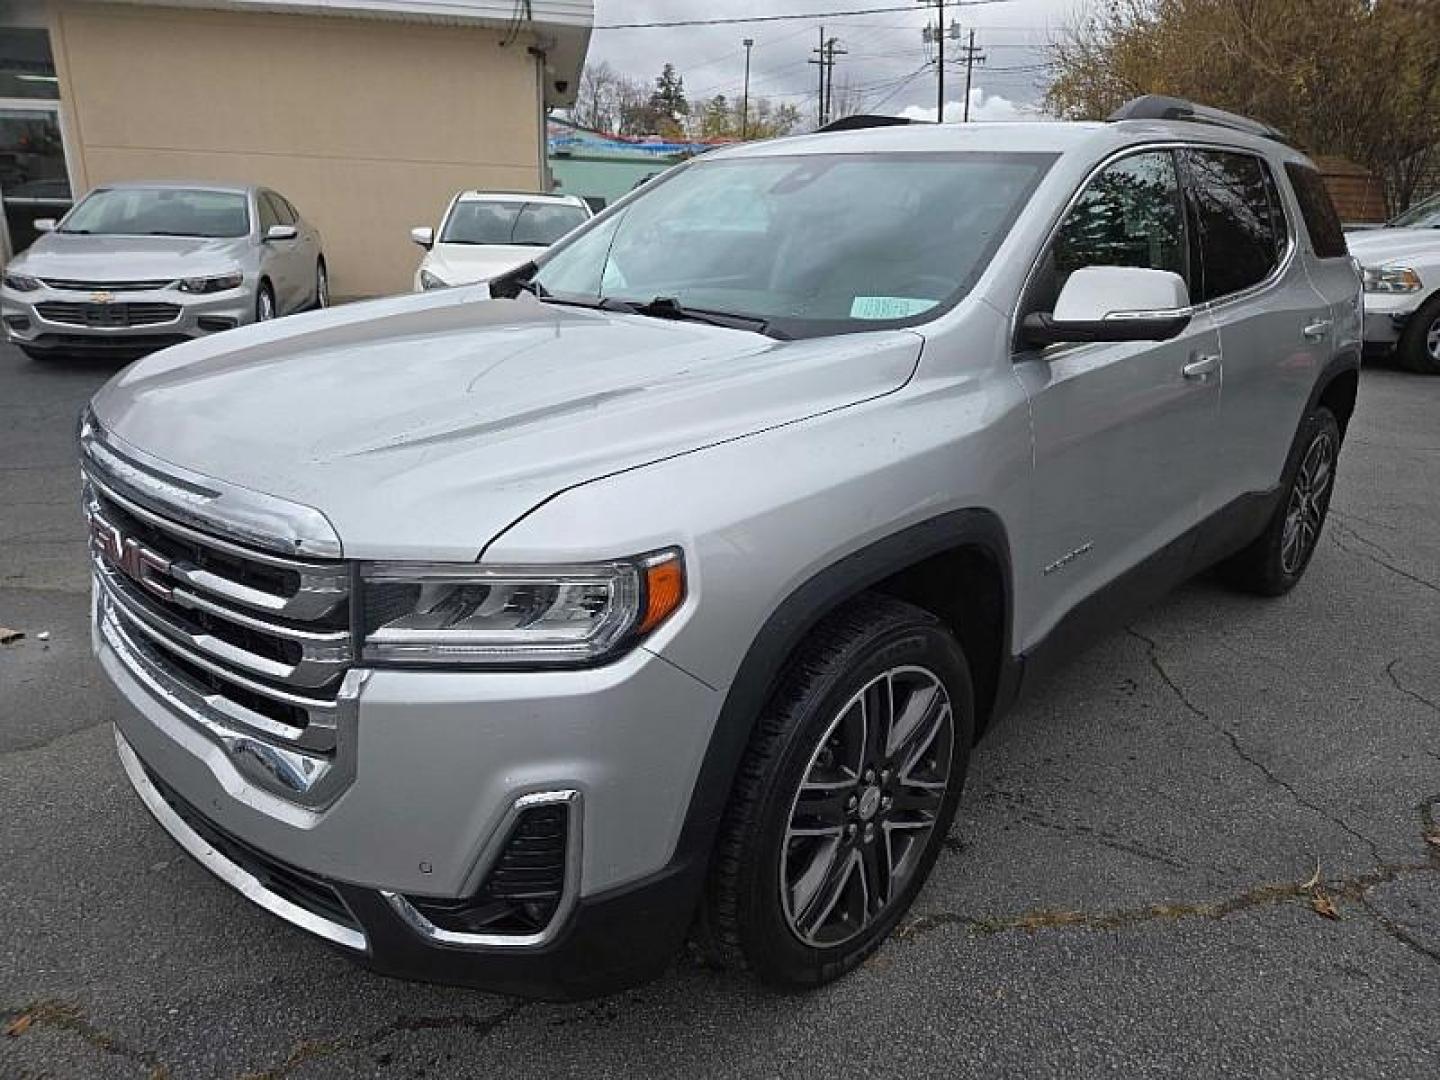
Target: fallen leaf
[(1314, 878), (1323, 906), (7, 635), (19, 1024)]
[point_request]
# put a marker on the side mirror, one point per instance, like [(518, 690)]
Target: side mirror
[(44, 224), (281, 232), (424, 236), (1113, 303)]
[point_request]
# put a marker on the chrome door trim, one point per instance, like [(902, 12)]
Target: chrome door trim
[(1281, 268), (239, 879)]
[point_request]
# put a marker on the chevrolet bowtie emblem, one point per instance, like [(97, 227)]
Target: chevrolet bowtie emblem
[(102, 297)]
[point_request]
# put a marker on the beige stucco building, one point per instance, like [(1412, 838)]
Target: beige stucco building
[(367, 114)]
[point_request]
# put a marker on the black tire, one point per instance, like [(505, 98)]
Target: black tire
[(262, 295), (322, 286), (744, 922), (1419, 348), (1276, 560)]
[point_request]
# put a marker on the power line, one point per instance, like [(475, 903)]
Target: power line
[(783, 18)]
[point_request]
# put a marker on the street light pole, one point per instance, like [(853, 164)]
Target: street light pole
[(745, 96)]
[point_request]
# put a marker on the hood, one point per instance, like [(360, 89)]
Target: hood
[(1376, 246), (465, 264), (69, 256), (423, 426)]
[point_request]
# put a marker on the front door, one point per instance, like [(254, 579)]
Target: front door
[(1122, 436), (33, 180)]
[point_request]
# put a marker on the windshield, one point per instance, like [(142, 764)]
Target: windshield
[(809, 244), (161, 212), (1425, 215), (529, 224)]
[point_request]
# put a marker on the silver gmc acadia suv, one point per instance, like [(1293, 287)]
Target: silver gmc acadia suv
[(510, 634)]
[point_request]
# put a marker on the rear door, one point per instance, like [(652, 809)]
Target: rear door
[(1276, 330), (1123, 438)]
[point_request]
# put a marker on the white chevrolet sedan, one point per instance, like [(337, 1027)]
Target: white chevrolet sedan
[(484, 234)]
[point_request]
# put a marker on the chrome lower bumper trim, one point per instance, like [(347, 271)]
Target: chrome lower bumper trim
[(234, 876), (455, 939)]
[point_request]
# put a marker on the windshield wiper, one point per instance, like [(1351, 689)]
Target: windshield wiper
[(667, 307)]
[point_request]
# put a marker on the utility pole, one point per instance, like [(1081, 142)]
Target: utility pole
[(939, 37), (745, 96), (973, 56), (820, 92), (832, 50)]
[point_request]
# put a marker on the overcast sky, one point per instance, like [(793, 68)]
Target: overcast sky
[(884, 61)]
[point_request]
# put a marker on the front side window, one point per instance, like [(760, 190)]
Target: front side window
[(1128, 215), (809, 244), (283, 212), (269, 213), (160, 212), (1239, 224)]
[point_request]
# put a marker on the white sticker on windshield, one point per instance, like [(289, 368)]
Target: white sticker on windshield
[(888, 307)]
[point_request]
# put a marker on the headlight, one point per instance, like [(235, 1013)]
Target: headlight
[(1391, 279), (21, 282), (211, 284), (430, 281), (465, 614)]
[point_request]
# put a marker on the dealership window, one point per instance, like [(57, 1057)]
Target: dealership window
[(27, 68), (34, 181)]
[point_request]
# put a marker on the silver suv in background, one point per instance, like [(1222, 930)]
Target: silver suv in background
[(136, 267), (663, 587)]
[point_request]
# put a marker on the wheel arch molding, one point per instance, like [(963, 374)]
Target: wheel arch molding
[(950, 550)]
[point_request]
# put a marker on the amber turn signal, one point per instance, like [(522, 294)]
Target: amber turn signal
[(664, 590)]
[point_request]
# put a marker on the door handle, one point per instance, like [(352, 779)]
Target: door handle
[(1317, 330), (1201, 366)]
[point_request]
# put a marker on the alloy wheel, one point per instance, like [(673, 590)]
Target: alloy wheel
[(322, 287), (1309, 496), (867, 805), (1432, 341), (265, 307)]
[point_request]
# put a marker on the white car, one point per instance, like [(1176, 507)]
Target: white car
[(486, 233), (1401, 262)]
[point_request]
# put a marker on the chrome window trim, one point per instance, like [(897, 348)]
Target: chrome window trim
[(203, 502), (1281, 269), (569, 893), (231, 874)]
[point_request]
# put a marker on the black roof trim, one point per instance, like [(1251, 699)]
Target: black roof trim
[(866, 120), (1160, 107)]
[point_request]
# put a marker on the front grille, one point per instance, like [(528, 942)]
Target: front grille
[(107, 315), (252, 646), (304, 890), (71, 285)]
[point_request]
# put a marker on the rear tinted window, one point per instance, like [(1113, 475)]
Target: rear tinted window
[(1239, 223), (1321, 220)]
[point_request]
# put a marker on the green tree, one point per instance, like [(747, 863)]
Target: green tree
[(1358, 79)]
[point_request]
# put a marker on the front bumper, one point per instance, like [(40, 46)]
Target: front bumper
[(441, 759), (69, 321), (1386, 315)]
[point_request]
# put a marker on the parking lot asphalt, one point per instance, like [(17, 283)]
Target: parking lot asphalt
[(1130, 887)]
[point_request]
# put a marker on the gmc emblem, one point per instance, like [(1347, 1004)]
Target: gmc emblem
[(148, 569)]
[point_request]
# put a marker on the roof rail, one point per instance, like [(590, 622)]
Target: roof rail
[(866, 120), (1160, 107)]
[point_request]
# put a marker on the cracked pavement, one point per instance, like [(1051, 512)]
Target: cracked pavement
[(1137, 882)]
